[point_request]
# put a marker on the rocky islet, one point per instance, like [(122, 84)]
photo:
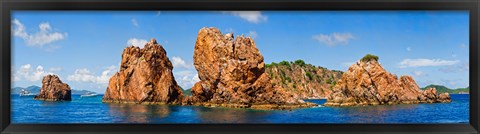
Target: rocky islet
[(53, 89), (367, 83), (145, 77)]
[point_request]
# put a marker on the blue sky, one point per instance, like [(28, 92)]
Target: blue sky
[(84, 48)]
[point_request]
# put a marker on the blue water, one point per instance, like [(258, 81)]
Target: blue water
[(92, 110)]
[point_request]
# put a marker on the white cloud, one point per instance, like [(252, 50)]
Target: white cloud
[(134, 22), (252, 34), (186, 79), (463, 67), (14, 77), (409, 49), (106, 74), (463, 46), (136, 42), (334, 38), (84, 75), (250, 16), (28, 73), (55, 69), (180, 63), (18, 29), (42, 37), (419, 73), (159, 12), (426, 62)]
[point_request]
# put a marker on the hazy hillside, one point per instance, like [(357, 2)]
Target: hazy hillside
[(305, 80), (443, 89), (31, 89)]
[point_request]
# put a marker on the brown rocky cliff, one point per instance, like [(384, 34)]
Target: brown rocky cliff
[(303, 80), (53, 89), (232, 74), (368, 83), (145, 77)]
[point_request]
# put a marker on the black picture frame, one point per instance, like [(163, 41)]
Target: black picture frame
[(7, 6)]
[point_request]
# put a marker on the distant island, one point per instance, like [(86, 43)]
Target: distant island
[(36, 89), (443, 89)]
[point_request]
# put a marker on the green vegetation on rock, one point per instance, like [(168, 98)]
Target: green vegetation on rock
[(369, 57), (305, 80), (285, 63), (300, 63), (309, 75)]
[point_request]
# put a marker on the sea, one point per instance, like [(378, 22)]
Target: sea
[(26, 110)]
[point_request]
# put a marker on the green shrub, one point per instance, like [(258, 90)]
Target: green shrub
[(271, 64), (329, 81), (300, 62), (274, 64), (309, 75), (295, 86), (285, 63), (369, 57), (288, 79)]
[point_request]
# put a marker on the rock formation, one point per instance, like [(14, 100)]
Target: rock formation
[(305, 81), (232, 74), (368, 83), (145, 77), (53, 89)]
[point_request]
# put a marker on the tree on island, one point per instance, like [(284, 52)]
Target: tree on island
[(369, 57)]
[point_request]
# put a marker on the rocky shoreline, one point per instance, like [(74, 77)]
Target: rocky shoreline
[(256, 106)]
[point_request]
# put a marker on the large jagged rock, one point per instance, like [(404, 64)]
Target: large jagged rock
[(231, 72), (53, 89), (145, 77), (367, 83)]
